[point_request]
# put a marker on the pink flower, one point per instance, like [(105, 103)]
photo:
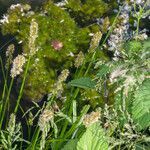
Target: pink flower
[(57, 45)]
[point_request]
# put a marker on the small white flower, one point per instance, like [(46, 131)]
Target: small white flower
[(139, 1), (15, 6), (62, 3), (71, 54), (91, 34), (20, 42), (5, 19)]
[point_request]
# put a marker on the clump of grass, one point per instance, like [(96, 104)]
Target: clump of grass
[(12, 135), (98, 99)]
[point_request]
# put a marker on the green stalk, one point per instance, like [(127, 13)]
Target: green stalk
[(22, 86), (5, 80), (69, 113), (74, 111), (2, 65), (5, 104), (34, 139), (138, 25), (75, 125), (88, 68), (108, 34), (78, 122), (141, 12), (28, 126)]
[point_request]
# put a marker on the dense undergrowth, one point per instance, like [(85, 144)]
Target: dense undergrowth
[(75, 76)]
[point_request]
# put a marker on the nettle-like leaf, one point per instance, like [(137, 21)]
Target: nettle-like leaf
[(103, 70), (93, 139), (132, 48), (84, 82), (141, 106)]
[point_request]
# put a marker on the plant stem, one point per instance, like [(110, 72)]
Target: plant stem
[(5, 103), (88, 68), (22, 86), (34, 139), (5, 80)]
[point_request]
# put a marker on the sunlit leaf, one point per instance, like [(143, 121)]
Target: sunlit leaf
[(84, 82)]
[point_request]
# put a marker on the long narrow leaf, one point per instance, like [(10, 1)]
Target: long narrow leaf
[(84, 82)]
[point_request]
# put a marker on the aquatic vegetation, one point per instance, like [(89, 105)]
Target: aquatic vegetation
[(86, 12), (75, 75), (51, 38)]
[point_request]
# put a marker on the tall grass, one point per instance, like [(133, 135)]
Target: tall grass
[(66, 124)]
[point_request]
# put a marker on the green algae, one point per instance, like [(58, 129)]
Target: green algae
[(86, 12), (55, 25)]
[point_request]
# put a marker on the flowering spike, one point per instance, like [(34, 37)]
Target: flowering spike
[(17, 66), (33, 36)]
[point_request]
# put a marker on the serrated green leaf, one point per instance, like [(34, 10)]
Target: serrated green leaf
[(84, 82), (134, 46), (104, 69), (141, 106), (93, 139)]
